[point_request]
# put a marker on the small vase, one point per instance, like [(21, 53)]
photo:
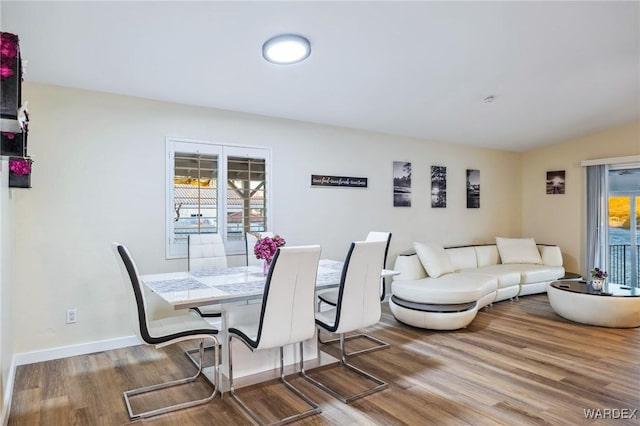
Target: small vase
[(265, 267), (597, 283)]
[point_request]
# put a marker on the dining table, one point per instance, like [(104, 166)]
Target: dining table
[(230, 288)]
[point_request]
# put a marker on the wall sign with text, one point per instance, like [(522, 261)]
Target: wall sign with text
[(339, 181)]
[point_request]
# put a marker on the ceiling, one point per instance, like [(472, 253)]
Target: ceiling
[(558, 70)]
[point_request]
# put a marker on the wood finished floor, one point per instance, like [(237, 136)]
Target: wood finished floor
[(518, 363)]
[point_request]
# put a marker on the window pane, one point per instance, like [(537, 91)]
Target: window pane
[(246, 204), (195, 195)]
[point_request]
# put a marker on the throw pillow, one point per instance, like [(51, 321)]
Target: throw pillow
[(518, 250), (434, 259)]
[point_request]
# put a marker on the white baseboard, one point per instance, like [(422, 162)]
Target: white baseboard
[(73, 350), (57, 353)]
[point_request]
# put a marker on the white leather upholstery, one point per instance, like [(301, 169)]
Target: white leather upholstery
[(551, 255), (286, 317), (409, 266), (462, 257), (433, 320), (434, 258), (485, 283), (287, 312), (518, 250), (538, 273), (251, 241), (331, 296), (377, 236), (178, 324), (156, 329), (359, 305), (487, 255), (163, 332), (206, 251), (507, 277), (448, 289)]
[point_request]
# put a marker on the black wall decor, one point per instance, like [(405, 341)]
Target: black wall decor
[(438, 186), (10, 78), (339, 181), (473, 189), (401, 184), (14, 144)]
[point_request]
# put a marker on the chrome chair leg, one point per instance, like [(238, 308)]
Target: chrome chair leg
[(380, 344), (190, 353), (130, 393), (379, 384), (315, 408), (232, 392)]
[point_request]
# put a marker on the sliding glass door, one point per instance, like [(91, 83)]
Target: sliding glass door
[(624, 223)]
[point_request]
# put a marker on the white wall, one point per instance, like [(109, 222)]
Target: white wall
[(99, 177), (561, 219), (6, 282)]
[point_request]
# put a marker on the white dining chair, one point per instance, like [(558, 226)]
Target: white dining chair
[(358, 306), (251, 238), (162, 332), (330, 297), (206, 251), (286, 317)]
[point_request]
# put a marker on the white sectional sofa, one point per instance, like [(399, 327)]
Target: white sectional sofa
[(442, 289)]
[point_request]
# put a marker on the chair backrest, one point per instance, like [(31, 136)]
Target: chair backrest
[(251, 239), (206, 251), (130, 272), (359, 292), (381, 236), (288, 302)]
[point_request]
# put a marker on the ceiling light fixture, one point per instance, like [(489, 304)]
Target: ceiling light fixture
[(286, 49), (489, 99)]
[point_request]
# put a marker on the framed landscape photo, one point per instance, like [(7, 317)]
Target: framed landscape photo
[(555, 182), (438, 186), (401, 184), (473, 189)]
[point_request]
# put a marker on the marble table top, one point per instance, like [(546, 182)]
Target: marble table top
[(224, 285)]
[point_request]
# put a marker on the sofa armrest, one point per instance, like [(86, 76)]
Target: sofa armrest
[(551, 255), (409, 266)]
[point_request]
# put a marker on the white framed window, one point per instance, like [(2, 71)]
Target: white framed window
[(215, 188)]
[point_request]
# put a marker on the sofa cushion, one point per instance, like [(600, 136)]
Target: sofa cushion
[(505, 274), (540, 273), (518, 250), (409, 266), (462, 257), (551, 255), (434, 258), (448, 289), (487, 255)]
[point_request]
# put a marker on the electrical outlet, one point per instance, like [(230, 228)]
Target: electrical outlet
[(71, 316)]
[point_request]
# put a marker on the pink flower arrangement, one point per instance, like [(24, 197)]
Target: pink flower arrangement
[(8, 54), (20, 166), (266, 247)]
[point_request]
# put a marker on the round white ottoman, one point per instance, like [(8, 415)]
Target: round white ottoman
[(615, 306)]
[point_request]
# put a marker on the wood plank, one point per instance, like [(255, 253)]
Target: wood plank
[(516, 363)]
